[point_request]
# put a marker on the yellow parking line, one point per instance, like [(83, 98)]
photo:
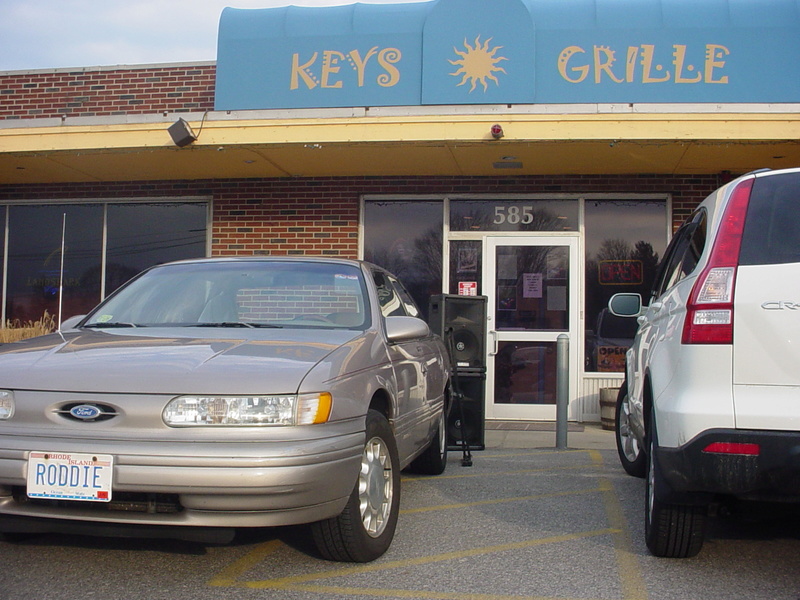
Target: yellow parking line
[(422, 560), (423, 509), (398, 593), (630, 572), (406, 479), (229, 575)]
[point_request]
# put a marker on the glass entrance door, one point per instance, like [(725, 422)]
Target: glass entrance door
[(531, 285)]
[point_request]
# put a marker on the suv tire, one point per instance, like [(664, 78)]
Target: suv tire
[(631, 454), (671, 530)]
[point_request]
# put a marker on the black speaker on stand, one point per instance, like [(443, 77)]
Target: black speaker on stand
[(466, 317), (468, 419), (461, 322)]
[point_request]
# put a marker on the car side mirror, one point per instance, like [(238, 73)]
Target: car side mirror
[(401, 329), (625, 305)]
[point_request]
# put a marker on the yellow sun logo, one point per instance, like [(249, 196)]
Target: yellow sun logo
[(478, 63)]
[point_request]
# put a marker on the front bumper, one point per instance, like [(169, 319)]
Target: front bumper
[(691, 471), (205, 484)]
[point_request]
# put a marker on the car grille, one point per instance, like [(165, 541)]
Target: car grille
[(121, 502)]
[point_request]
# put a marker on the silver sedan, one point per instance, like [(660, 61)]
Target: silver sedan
[(216, 394)]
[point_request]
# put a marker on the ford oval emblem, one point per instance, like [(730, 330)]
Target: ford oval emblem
[(86, 412)]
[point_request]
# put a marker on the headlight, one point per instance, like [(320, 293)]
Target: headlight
[(291, 409), (6, 404)]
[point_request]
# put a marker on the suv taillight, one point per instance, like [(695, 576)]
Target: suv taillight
[(709, 312)]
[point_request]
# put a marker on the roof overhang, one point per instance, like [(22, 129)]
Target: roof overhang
[(403, 141)]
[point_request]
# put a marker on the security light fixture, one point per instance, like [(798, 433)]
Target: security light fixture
[(181, 133)]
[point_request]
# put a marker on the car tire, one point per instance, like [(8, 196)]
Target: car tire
[(631, 453), (671, 530), (433, 460), (365, 528)]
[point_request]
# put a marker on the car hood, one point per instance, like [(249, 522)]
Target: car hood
[(170, 361)]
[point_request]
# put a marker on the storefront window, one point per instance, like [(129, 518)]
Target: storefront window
[(466, 267), (514, 215), (142, 235), (624, 240), (34, 259), (137, 236), (405, 238)]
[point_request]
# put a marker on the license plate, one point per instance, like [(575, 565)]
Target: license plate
[(69, 476)]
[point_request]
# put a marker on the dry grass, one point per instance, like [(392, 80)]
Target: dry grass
[(16, 330)]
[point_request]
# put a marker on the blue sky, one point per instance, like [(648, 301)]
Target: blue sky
[(46, 34)]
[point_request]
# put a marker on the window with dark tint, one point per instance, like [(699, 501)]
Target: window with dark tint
[(772, 226), (137, 236), (682, 254), (624, 240), (405, 238), (142, 235), (34, 260), (391, 304)]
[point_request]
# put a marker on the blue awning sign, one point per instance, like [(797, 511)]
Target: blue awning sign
[(450, 52)]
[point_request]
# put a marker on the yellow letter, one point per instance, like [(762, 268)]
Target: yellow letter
[(361, 65), (680, 58), (330, 58), (563, 59), (714, 52), (298, 69), (647, 64), (600, 66), (630, 67), (387, 58)]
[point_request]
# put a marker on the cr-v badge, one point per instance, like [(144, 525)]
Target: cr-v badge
[(781, 305)]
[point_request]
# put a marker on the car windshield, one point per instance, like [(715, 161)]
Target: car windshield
[(246, 294)]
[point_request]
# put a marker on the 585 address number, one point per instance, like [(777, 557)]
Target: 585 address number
[(513, 215)]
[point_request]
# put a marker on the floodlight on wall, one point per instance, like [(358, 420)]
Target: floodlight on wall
[(181, 133)]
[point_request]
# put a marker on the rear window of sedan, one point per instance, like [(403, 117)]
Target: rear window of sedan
[(772, 226), (240, 294)]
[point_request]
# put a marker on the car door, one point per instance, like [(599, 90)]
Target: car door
[(409, 363), (660, 327)]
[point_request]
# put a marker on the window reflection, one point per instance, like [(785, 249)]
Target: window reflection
[(34, 259), (138, 236), (405, 238), (532, 288), (142, 235), (466, 264), (525, 373), (624, 239)]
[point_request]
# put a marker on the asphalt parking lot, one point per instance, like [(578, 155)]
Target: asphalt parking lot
[(525, 521)]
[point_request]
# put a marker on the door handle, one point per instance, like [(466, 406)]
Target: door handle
[(493, 342)]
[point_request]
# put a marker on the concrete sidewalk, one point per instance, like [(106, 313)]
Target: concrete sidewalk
[(537, 434)]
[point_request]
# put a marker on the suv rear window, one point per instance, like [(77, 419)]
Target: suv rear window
[(772, 227)]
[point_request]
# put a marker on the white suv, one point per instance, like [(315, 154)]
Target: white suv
[(710, 409)]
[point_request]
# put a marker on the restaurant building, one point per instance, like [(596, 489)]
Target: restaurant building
[(535, 152)]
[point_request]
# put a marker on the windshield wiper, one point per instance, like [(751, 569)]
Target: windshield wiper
[(236, 324), (110, 325)]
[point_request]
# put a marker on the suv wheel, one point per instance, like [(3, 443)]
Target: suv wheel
[(631, 454), (671, 530)]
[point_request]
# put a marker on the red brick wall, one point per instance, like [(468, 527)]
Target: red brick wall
[(280, 216), (320, 215), (95, 91)]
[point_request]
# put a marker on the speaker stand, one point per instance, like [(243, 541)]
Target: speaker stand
[(466, 457)]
